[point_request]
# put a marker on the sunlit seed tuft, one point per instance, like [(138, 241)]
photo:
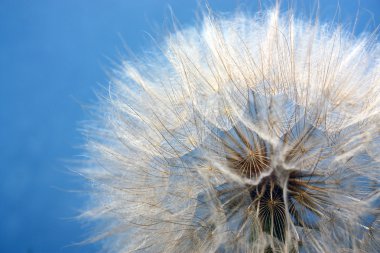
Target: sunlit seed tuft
[(243, 134)]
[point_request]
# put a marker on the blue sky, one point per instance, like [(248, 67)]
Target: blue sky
[(54, 55)]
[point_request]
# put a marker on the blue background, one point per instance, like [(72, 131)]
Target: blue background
[(53, 55)]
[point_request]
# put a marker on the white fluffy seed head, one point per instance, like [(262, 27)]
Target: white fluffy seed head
[(244, 134)]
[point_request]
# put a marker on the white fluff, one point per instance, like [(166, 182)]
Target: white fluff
[(245, 134)]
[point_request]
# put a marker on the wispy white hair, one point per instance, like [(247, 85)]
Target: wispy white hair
[(242, 134)]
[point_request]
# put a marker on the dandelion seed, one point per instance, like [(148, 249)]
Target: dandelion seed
[(245, 134)]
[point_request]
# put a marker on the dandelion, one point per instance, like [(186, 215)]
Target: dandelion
[(242, 134)]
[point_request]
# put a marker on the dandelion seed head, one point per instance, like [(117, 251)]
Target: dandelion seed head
[(242, 134)]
